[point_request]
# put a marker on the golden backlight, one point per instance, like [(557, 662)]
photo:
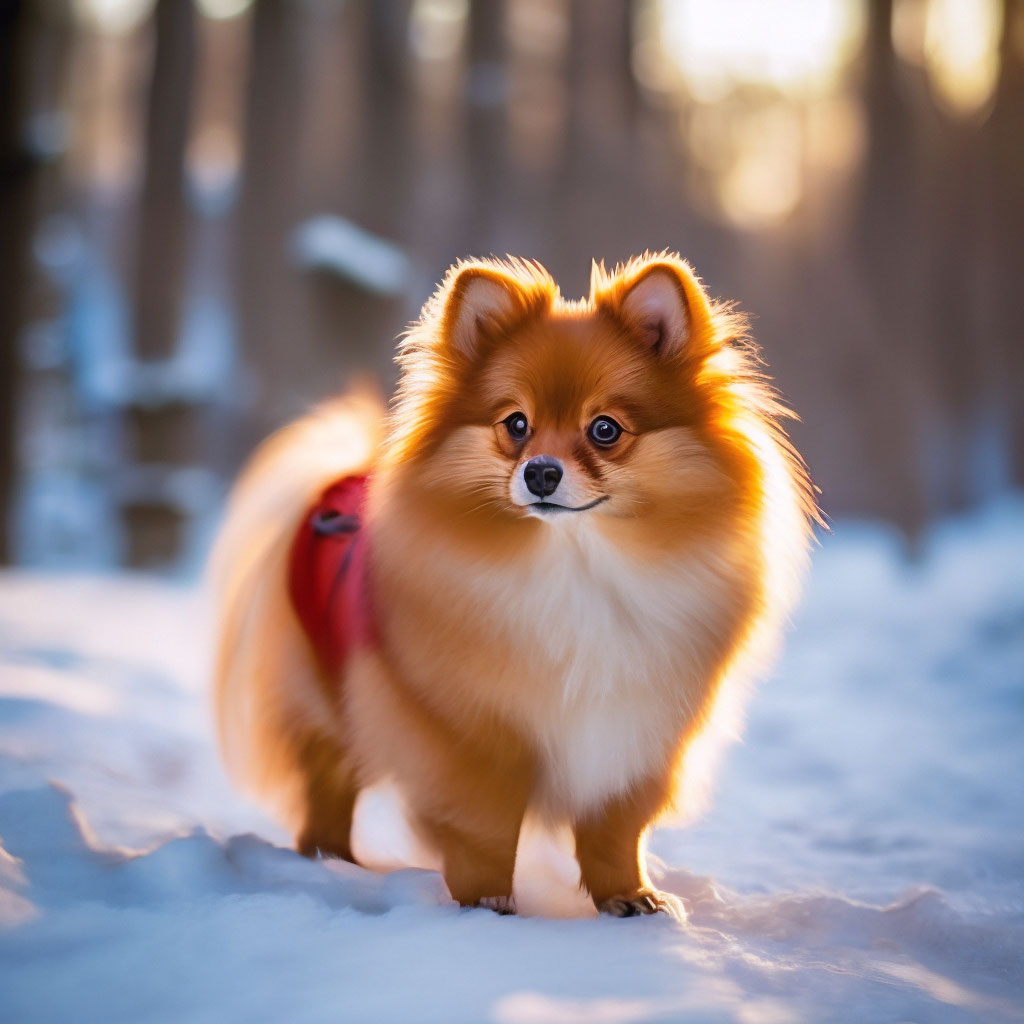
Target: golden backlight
[(799, 47), (961, 49), (769, 93)]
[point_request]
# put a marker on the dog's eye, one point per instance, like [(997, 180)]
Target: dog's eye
[(604, 431), (517, 426)]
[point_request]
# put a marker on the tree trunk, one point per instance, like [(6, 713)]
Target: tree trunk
[(160, 430), (887, 369), (270, 317), (163, 223), (486, 105), (1006, 230), (17, 168)]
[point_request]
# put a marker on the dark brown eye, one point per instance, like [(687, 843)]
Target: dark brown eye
[(604, 431), (517, 426)]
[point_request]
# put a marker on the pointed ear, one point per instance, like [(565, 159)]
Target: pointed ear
[(660, 302), (481, 301), (657, 310)]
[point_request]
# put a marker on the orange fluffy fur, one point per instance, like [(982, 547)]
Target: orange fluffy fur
[(582, 664)]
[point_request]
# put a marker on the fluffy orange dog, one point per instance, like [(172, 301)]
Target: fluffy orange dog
[(582, 530)]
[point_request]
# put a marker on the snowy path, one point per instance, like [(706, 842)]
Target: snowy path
[(863, 860)]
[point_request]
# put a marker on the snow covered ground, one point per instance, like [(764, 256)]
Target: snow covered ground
[(863, 860)]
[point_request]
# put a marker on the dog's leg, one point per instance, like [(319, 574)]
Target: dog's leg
[(609, 849), (466, 800), (329, 795), (479, 859), (474, 821)]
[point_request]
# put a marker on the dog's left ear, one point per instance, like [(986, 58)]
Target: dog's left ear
[(659, 300), (482, 299)]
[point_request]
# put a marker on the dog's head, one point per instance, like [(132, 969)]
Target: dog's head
[(517, 404)]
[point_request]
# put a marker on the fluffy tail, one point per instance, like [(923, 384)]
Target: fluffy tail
[(267, 694)]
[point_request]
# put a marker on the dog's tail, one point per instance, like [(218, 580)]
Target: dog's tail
[(267, 693)]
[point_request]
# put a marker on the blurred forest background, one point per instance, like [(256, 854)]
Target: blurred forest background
[(213, 212)]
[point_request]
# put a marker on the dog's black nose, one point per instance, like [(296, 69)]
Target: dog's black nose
[(542, 474)]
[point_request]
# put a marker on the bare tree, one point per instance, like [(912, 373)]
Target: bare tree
[(1005, 227), (17, 174), (886, 371), (163, 223), (270, 319), (159, 424), (486, 109)]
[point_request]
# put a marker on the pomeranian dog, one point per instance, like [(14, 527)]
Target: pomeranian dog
[(541, 583)]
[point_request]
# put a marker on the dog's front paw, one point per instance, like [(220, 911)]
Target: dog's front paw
[(499, 904), (646, 901)]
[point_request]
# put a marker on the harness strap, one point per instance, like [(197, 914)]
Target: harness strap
[(327, 579)]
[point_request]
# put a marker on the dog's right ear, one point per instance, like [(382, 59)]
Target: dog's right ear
[(484, 300)]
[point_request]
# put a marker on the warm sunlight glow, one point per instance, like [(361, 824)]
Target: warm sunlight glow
[(798, 47), (961, 49), (222, 10), (764, 183), (115, 17), (436, 27), (756, 77)]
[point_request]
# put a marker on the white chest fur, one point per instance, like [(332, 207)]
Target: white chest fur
[(625, 659)]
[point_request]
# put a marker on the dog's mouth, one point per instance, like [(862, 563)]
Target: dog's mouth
[(552, 507)]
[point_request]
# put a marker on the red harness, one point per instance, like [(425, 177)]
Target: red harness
[(327, 577)]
